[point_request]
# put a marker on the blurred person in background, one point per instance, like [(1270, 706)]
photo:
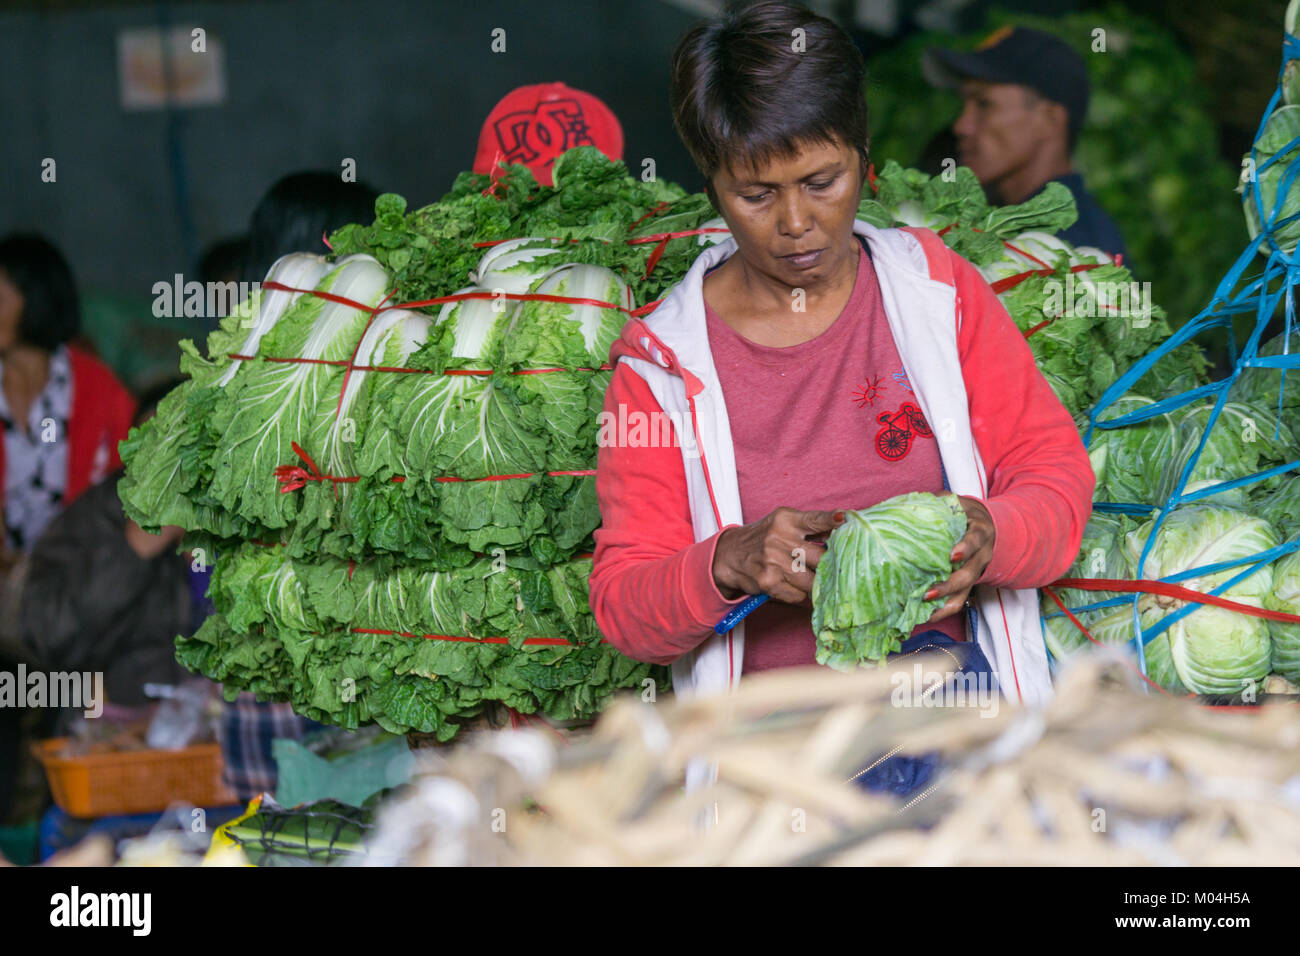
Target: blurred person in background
[(63, 413), (1025, 97), (100, 594), (63, 410), (223, 262), (97, 594), (294, 216), (297, 213)]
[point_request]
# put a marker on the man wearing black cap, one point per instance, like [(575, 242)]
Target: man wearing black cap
[(1025, 95)]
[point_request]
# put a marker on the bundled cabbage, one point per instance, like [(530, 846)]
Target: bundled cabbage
[(1101, 555), (398, 499), (1085, 318), (1213, 650), (1285, 597), (1129, 460), (1245, 439), (1274, 151), (868, 592), (407, 646)]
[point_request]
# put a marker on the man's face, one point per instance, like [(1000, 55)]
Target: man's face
[(1002, 126)]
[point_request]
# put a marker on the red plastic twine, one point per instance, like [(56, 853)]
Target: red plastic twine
[(662, 240), (1174, 591), (460, 638), (1010, 282), (293, 477), (1162, 588), (1077, 623)]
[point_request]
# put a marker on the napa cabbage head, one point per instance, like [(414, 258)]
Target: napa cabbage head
[(273, 404), (569, 334), (514, 265), (298, 270)]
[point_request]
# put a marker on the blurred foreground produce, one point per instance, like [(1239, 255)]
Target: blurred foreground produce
[(1105, 775)]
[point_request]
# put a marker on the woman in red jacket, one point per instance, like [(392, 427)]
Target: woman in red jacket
[(62, 410), (785, 359)]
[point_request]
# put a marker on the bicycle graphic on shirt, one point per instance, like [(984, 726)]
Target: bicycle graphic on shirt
[(894, 441)]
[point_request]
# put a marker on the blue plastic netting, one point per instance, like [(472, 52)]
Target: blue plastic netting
[(1241, 292)]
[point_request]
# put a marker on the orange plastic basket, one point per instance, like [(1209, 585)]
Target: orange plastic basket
[(137, 781)]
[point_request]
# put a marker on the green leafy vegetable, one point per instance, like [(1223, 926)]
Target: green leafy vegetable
[(869, 588), (1285, 597), (1214, 650), (1102, 555)]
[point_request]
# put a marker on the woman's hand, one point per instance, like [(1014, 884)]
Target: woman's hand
[(774, 556), (974, 551)]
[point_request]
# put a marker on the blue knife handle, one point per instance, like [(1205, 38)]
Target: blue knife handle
[(740, 612)]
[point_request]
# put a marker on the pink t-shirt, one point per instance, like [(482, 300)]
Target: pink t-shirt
[(827, 424)]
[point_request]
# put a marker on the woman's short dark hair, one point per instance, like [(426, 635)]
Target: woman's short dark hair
[(51, 309), (297, 211), (747, 87)]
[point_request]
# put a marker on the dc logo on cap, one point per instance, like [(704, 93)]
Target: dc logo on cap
[(533, 125), (542, 133)]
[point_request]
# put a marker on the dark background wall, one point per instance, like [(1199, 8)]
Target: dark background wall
[(401, 86)]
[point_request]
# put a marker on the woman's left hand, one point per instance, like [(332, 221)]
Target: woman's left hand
[(973, 552)]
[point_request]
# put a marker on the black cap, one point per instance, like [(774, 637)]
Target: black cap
[(1019, 55)]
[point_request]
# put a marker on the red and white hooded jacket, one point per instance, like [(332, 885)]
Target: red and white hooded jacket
[(1003, 437)]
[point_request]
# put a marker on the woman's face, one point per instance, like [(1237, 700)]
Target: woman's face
[(11, 312), (792, 219)]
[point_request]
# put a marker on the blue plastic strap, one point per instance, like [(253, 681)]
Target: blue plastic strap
[(740, 612)]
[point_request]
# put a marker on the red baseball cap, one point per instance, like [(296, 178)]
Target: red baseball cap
[(534, 124)]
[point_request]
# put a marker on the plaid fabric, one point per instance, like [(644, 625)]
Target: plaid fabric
[(245, 733)]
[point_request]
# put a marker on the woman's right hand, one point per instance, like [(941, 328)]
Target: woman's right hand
[(774, 556)]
